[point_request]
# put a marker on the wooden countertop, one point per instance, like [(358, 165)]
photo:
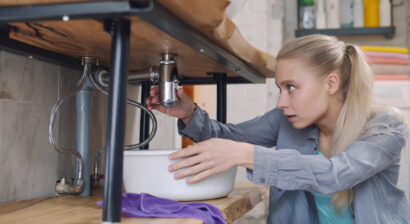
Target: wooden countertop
[(75, 209), (77, 38)]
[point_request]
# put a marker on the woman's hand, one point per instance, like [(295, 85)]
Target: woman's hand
[(211, 157), (184, 109)]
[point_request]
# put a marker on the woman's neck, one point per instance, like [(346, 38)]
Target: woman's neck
[(327, 123)]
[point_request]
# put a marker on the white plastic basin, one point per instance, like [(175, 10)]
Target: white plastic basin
[(147, 172)]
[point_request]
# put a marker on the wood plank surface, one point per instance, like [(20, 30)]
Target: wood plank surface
[(85, 38), (78, 38), (209, 17), (75, 209), (38, 2)]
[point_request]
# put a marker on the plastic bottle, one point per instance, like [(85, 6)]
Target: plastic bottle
[(346, 13), (332, 12), (307, 15), (385, 13), (358, 13), (320, 15), (371, 13)]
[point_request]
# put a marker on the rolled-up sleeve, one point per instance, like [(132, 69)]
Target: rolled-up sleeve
[(290, 170)]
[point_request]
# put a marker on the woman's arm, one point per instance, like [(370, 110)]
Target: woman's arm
[(196, 124), (290, 170), (211, 157), (262, 130)]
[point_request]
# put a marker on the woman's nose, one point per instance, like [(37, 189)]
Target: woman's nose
[(282, 102)]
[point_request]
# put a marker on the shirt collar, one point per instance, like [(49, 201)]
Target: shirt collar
[(312, 132)]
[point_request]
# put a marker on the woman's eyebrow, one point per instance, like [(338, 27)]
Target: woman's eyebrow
[(288, 81)]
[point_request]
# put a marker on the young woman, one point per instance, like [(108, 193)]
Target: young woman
[(337, 155)]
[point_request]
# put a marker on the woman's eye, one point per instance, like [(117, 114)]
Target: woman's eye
[(290, 87)]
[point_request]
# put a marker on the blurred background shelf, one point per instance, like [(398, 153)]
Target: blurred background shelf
[(387, 31)]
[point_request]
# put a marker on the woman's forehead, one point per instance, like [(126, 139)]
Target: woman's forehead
[(293, 70)]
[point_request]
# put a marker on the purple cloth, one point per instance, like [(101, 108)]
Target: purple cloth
[(146, 205)]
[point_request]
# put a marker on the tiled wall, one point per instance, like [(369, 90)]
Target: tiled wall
[(29, 88), (29, 167), (23, 119)]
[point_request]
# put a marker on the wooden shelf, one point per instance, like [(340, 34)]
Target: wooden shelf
[(387, 31), (75, 209)]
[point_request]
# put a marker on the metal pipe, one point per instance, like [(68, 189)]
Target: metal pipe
[(83, 110), (116, 120), (151, 74), (95, 181), (168, 80)]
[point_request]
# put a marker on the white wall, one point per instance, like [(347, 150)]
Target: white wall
[(397, 94)]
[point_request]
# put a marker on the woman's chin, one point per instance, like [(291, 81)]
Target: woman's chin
[(299, 125)]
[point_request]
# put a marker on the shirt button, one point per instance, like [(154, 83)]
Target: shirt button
[(262, 180), (315, 148), (280, 190)]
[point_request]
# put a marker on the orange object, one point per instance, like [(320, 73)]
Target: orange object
[(371, 13), (189, 91)]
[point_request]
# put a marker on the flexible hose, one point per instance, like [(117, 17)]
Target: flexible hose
[(51, 124), (87, 72), (97, 159), (136, 104)]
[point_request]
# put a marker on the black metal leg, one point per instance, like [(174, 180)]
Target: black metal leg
[(221, 84), (120, 29), (144, 121)]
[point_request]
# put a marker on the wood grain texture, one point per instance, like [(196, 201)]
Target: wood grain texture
[(74, 209), (86, 37), (209, 17), (37, 2)]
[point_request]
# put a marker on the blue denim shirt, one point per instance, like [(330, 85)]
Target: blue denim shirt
[(370, 166)]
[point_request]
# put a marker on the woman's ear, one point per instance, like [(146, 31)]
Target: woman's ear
[(332, 83)]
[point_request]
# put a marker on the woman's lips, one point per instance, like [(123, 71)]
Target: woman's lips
[(291, 118)]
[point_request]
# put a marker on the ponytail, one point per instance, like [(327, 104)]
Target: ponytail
[(355, 111)]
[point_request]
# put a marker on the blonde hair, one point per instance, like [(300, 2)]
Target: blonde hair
[(326, 54)]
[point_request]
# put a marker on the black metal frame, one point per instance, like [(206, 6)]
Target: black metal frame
[(144, 120), (120, 30), (74, 10), (221, 87), (150, 11)]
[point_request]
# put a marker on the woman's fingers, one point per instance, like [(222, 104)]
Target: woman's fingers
[(180, 92), (202, 175), (185, 163), (193, 170), (154, 91), (188, 151), (154, 107)]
